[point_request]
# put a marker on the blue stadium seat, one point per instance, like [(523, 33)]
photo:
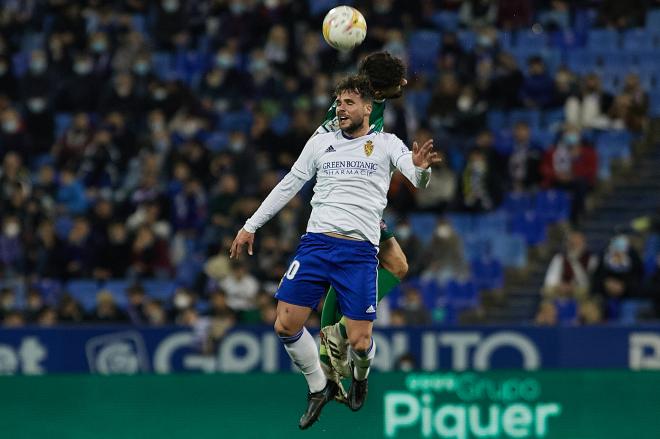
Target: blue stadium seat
[(526, 39), (531, 117), (511, 250), (630, 310), (603, 39), (651, 252), (118, 289), (581, 61), (491, 223), (217, 141), (419, 99), (585, 18), (84, 291), (161, 289), (567, 311), (553, 206), (552, 120), (505, 40), (487, 273), (638, 39), (467, 39), (476, 246), (63, 225), (544, 138), (461, 296), (517, 202), (162, 63), (463, 223), (504, 141), (319, 7), (529, 225), (445, 21), (423, 47), (280, 124), (236, 121), (423, 225), (497, 120), (62, 122), (654, 103), (653, 19)]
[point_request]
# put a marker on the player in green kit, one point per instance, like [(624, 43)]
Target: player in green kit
[(387, 77)]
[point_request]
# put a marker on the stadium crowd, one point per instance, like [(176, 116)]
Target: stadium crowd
[(136, 138)]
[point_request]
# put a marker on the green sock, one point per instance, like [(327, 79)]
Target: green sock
[(330, 313)]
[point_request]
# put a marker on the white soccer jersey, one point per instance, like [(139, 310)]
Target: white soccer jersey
[(352, 180)]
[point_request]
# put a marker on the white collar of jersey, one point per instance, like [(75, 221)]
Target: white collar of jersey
[(371, 131)]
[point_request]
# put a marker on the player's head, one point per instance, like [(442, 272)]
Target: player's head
[(354, 103), (386, 73)]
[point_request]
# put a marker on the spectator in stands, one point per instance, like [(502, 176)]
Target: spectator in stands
[(618, 275), (589, 108), (106, 310), (70, 148), (615, 14), (39, 125), (590, 312), (13, 136), (13, 319), (525, 159), (112, 258), (514, 14), (413, 308), (506, 83), (538, 88), (69, 310), (558, 17), (47, 317), (631, 107), (149, 256), (565, 87), (478, 13), (571, 165), (34, 305), (137, 302), (443, 105), (480, 189), (11, 247), (76, 258), (569, 273), (546, 315), (441, 192), (444, 258), (155, 313), (241, 289)]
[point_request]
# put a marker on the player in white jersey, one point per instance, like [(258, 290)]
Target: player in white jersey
[(353, 168)]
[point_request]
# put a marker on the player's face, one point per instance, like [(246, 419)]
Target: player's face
[(352, 112)]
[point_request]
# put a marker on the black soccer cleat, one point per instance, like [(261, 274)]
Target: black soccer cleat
[(315, 402), (357, 394)]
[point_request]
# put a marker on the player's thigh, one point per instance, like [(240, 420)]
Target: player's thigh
[(392, 258), (355, 279)]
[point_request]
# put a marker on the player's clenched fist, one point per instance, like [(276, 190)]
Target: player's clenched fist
[(242, 237)]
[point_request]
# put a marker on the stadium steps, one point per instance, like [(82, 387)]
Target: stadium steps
[(633, 192)]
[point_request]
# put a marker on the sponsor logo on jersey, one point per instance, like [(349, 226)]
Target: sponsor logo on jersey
[(369, 148), (349, 167), (330, 149)]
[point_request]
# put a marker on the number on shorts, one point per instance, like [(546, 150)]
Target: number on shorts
[(293, 269)]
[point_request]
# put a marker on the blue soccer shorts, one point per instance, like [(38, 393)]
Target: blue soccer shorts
[(350, 266)]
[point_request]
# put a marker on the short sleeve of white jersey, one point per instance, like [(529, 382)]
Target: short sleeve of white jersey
[(305, 166)]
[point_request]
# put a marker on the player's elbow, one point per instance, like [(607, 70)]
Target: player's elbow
[(397, 264)]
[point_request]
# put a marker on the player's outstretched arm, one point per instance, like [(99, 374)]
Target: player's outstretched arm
[(243, 237)]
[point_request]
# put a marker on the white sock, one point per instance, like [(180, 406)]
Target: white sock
[(362, 361), (304, 353)]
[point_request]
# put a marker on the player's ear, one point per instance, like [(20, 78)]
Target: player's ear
[(368, 107)]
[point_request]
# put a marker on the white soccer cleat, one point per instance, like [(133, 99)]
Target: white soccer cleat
[(337, 349)]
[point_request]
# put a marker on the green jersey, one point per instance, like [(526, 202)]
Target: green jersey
[(331, 123)]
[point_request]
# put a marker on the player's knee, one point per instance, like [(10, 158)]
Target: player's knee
[(360, 341), (283, 328)]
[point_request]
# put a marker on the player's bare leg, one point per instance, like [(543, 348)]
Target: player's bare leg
[(301, 347)]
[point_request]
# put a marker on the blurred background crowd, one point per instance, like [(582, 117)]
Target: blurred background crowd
[(137, 136)]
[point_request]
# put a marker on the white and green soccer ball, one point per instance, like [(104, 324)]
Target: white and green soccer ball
[(344, 28)]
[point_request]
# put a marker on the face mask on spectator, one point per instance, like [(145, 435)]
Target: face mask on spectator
[(38, 66), (160, 94), (570, 139), (443, 231), (189, 129), (258, 66), (171, 5), (156, 125), (237, 7), (36, 105), (99, 46), (182, 300), (10, 126), (485, 41), (403, 232), (271, 4), (141, 68), (82, 67), (478, 166), (11, 229), (224, 61)]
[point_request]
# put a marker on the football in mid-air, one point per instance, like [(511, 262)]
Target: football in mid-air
[(344, 28)]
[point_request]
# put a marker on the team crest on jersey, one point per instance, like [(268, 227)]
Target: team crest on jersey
[(368, 147)]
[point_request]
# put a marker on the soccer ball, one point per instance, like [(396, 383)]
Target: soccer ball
[(344, 28)]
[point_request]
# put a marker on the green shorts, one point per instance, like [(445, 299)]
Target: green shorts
[(385, 232)]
